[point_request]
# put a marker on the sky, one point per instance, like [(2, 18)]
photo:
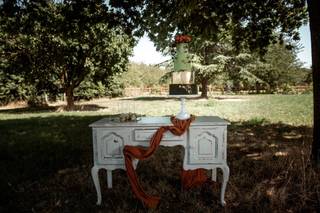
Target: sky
[(305, 53), (145, 51)]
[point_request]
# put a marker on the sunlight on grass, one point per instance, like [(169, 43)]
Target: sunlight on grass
[(46, 151), (289, 109)]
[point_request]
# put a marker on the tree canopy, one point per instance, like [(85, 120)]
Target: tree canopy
[(51, 45), (62, 43), (251, 24)]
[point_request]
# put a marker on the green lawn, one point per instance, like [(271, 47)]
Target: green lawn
[(46, 156), (289, 109)]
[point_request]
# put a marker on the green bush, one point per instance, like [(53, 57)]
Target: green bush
[(12, 88), (308, 91), (142, 75), (88, 90), (287, 89), (115, 86)]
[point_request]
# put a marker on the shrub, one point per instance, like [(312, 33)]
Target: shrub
[(115, 86), (88, 90)]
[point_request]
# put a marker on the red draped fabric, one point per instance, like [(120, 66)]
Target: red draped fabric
[(189, 178)]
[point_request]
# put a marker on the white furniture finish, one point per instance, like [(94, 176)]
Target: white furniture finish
[(205, 145)]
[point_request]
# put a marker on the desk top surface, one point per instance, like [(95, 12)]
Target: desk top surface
[(158, 121)]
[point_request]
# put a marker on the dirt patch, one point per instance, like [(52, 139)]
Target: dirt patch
[(14, 105), (82, 107)]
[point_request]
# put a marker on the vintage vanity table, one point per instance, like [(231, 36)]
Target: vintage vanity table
[(205, 145)]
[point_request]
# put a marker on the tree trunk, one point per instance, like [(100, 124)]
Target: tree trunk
[(314, 17), (70, 100), (204, 88)]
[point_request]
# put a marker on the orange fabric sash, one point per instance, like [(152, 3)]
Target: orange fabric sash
[(189, 178)]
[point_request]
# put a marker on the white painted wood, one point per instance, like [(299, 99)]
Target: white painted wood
[(205, 145), (225, 170), (146, 135), (157, 122), (95, 177), (109, 178), (110, 143), (214, 174)]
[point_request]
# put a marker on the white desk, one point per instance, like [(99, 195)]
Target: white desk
[(205, 145)]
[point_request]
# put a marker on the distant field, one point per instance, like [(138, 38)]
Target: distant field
[(289, 109)]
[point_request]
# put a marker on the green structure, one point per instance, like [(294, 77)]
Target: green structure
[(182, 78), (182, 60), (182, 84)]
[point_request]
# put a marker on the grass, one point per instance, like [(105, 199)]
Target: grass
[(46, 156), (289, 109)]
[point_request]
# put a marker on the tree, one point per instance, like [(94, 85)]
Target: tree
[(252, 24), (15, 52), (205, 74), (278, 67), (142, 75), (209, 61), (82, 41), (314, 18), (64, 42)]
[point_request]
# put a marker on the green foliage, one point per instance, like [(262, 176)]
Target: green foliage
[(12, 88), (235, 27), (56, 45), (88, 90), (279, 67), (251, 24), (52, 46), (219, 65), (115, 86), (142, 75)]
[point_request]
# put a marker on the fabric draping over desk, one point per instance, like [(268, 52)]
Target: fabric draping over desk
[(189, 178)]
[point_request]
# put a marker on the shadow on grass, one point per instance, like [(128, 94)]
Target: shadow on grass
[(223, 97), (29, 110), (38, 147), (45, 167), (159, 98), (46, 109)]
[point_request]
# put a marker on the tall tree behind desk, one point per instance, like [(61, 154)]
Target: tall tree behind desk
[(314, 18)]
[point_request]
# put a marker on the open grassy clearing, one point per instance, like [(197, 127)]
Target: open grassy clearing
[(46, 157), (289, 109)]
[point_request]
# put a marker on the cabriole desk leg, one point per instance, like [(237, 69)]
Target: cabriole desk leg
[(109, 178), (214, 175), (225, 170), (95, 177)]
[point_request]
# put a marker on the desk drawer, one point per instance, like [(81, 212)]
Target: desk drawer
[(110, 143), (206, 145), (146, 135)]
